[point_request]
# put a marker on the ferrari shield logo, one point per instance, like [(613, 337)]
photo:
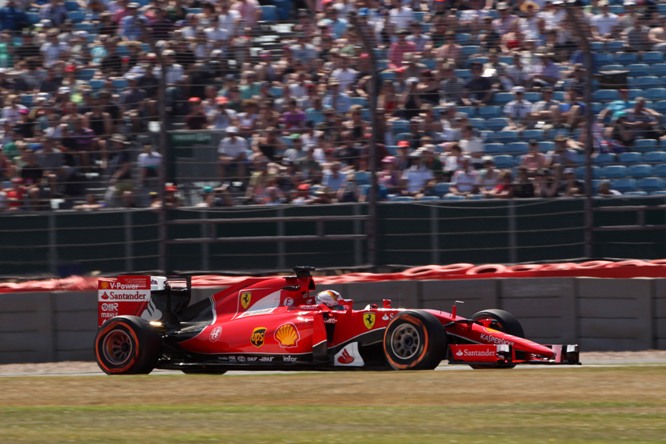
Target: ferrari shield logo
[(257, 338), (245, 298), (369, 320)]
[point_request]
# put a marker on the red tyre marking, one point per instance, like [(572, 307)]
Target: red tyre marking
[(417, 322), (135, 353)]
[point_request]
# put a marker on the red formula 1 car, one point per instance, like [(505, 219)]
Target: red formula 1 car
[(280, 323)]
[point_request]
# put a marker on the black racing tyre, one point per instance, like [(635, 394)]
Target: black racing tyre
[(127, 345), (415, 340), (500, 320)]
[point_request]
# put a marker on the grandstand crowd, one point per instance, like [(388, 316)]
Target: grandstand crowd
[(478, 99)]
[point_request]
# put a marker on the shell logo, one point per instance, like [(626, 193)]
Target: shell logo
[(103, 285), (287, 335)]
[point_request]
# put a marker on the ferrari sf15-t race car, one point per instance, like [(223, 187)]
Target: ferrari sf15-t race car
[(280, 323)]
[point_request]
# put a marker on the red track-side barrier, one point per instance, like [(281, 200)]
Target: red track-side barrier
[(599, 269)]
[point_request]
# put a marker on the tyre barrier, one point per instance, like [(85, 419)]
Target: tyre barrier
[(558, 266), (524, 267), (629, 263), (487, 269), (593, 264)]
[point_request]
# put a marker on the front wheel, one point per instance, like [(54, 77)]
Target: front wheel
[(127, 345), (500, 320), (415, 340)]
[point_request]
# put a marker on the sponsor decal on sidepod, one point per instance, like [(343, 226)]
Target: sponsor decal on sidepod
[(349, 356)]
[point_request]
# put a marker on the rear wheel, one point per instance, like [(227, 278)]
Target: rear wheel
[(415, 340), (127, 345), (500, 320)]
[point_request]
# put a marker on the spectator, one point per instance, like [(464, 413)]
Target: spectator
[(504, 188), (523, 185), (533, 160), (465, 180), (605, 190), (119, 170), (545, 114), (518, 110), (489, 177), (232, 153), (12, 18), (478, 90), (570, 185)]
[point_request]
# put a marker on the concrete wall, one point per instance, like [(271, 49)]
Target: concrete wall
[(599, 314)]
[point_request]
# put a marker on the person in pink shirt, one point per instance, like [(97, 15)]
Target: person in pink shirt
[(399, 48), (533, 160), (249, 11)]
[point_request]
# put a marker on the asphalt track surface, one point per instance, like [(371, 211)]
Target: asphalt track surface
[(78, 368)]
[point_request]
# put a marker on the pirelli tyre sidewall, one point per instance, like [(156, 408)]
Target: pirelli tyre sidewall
[(415, 340), (127, 345)]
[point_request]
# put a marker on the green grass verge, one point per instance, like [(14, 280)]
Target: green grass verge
[(582, 405)]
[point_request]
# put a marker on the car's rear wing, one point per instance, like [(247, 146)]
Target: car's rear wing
[(153, 298)]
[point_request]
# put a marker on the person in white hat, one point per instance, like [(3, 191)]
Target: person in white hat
[(232, 153)]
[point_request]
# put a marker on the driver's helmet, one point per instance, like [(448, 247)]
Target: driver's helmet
[(329, 297)]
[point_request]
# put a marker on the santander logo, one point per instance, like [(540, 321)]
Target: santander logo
[(345, 358)]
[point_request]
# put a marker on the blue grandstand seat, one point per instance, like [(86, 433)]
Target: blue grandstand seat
[(612, 67), (453, 197), (658, 69), (463, 73), (502, 98), (508, 59), (546, 145), (506, 136), (652, 57), (639, 69), (463, 38), (482, 59), (469, 110), (362, 177), (626, 58), (661, 9), (72, 6), (597, 107), (630, 158), (536, 134), (387, 75), (581, 171), (96, 84), (659, 170), (497, 123), (404, 136), (26, 99), (517, 148), (469, 50), (616, 9), (650, 184), (636, 193), (504, 161), (645, 145), (532, 96), (430, 198), (359, 101), (597, 47), (614, 171), (33, 17), (624, 185), (86, 74), (603, 58), (639, 171), (647, 81), (488, 112), (605, 95), (401, 198), (76, 16), (441, 188), (429, 63), (634, 93), (418, 16), (655, 157), (119, 83), (478, 123), (655, 94), (603, 159), (382, 64), (494, 148), (659, 106), (269, 13), (399, 126)]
